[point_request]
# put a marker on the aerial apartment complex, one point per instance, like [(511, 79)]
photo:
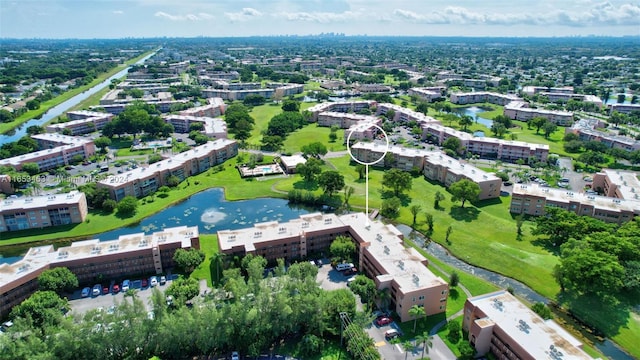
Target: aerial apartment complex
[(428, 94), (586, 129), (215, 108), (35, 212), (624, 108), (380, 251), (143, 181), (90, 260), (483, 96), (560, 94), (212, 127), (531, 199), (239, 91), (519, 110), (82, 122), (500, 324), (58, 150), (434, 165)]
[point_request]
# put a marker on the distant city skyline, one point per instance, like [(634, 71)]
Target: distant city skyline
[(219, 18)]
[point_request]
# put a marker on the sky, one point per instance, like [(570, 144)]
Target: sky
[(222, 18)]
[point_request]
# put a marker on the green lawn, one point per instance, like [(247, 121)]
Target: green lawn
[(45, 106), (312, 133), (262, 114), (207, 270)]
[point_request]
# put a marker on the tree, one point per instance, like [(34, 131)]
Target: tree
[(196, 126), (519, 223), (437, 198), (253, 100), (315, 149), (538, 122), (542, 310), (397, 180), (415, 210), (364, 287), (498, 129), (467, 352), (560, 225), (109, 205), (173, 181), (448, 233), (453, 144), (454, 332), (390, 208), (415, 312), (549, 128), (361, 169), (31, 168), (454, 279), (127, 206), (272, 142), (33, 104), (57, 279), (102, 143), (183, 289), (464, 121), (6, 116), (330, 182), (333, 136), (41, 309), (464, 190), (429, 221), (34, 129), (342, 249), (348, 191), (188, 260), (291, 105), (426, 341), (310, 169)]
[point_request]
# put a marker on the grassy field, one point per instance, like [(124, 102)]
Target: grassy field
[(207, 270), (45, 106), (312, 133)]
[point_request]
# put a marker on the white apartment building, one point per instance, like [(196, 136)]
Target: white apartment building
[(58, 151), (519, 110)]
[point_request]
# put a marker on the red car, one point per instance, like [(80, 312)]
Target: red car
[(144, 283), (105, 290), (116, 288), (383, 321)]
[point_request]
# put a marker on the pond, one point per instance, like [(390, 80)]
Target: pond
[(473, 112), (209, 211)]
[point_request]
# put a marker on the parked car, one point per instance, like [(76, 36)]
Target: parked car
[(351, 271), (96, 290), (153, 281), (125, 285), (116, 288), (144, 283), (391, 334), (163, 280), (105, 290), (383, 321), (235, 355), (85, 292)]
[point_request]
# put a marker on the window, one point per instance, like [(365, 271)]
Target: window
[(421, 297)]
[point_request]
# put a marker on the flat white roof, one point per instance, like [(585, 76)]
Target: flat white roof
[(535, 335), (293, 160), (627, 182), (211, 125), (36, 202), (567, 196), (394, 149), (61, 139), (89, 114), (455, 166)]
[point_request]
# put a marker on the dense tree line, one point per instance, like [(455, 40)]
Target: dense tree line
[(138, 118)]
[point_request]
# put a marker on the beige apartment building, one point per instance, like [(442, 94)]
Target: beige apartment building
[(82, 122), (215, 108), (531, 199), (342, 107), (213, 127), (143, 181), (380, 252), (37, 212), (519, 110), (617, 183), (483, 96), (129, 255), (500, 324), (58, 150), (427, 94)]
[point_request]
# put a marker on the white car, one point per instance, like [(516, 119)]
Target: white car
[(235, 356), (97, 289), (163, 280), (153, 281)]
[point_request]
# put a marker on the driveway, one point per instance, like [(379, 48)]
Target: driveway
[(396, 352)]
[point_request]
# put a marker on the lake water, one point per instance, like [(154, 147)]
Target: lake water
[(17, 133), (473, 112)]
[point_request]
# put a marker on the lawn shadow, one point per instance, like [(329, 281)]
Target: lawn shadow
[(305, 185), (547, 244), (487, 202), (467, 214)]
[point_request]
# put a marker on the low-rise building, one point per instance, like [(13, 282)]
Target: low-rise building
[(212, 127), (531, 199), (214, 108), (341, 106), (428, 94), (129, 255), (58, 150), (532, 90), (380, 252), (500, 324), (146, 180), (617, 183), (289, 163), (36, 212), (519, 110), (593, 130), (624, 108), (405, 115), (82, 122), (483, 96)]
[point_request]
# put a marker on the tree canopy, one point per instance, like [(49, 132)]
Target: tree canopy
[(189, 259), (331, 182), (464, 190), (57, 279), (397, 180), (342, 249)]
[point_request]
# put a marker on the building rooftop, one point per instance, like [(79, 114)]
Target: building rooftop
[(541, 339), (36, 202), (61, 139), (456, 167), (627, 183), (293, 160), (568, 196), (89, 114), (394, 149)]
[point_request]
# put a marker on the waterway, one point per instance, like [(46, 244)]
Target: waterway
[(607, 347), (473, 112), (17, 133)]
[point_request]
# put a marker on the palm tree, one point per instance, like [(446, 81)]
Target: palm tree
[(407, 345), (384, 297), (415, 209), (426, 341), (464, 121), (415, 312), (348, 191)]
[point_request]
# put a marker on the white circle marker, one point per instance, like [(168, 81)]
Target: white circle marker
[(366, 166)]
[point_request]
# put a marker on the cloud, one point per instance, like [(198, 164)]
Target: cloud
[(187, 17), (599, 14), (322, 17), (245, 14), (118, 12)]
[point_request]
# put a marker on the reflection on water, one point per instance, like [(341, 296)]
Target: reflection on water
[(473, 112)]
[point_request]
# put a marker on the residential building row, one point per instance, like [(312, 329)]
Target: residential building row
[(519, 110), (617, 183), (532, 90), (340, 106), (163, 106), (483, 96), (212, 127), (434, 165), (36, 212), (91, 260), (624, 108), (531, 199), (587, 130), (380, 251), (57, 150), (146, 180), (215, 108), (279, 91), (82, 122), (500, 324), (405, 115), (428, 94)]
